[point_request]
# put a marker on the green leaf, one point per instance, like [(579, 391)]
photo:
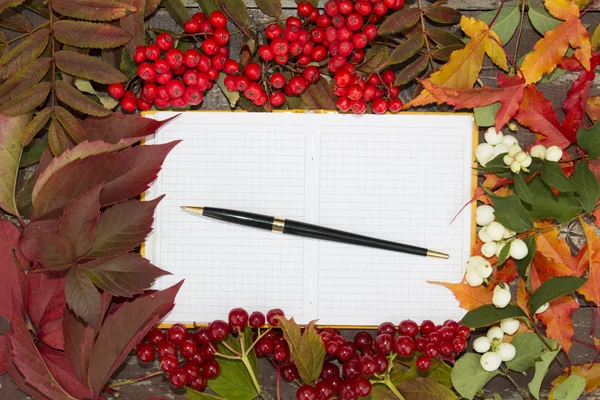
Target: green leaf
[(128, 67), (399, 21), (503, 256), (233, 97), (443, 38), (177, 10), (70, 124), (422, 388), (588, 187), (412, 70), (33, 152), (24, 79), (553, 288), (468, 377), (26, 101), (88, 67), (105, 99), (506, 23), (563, 207), (75, 99), (406, 49), (36, 124), (529, 348), (306, 350), (93, 10), (511, 213), (82, 296), (524, 263), (237, 9), (192, 394), (208, 6), (11, 148), (489, 314), (486, 116), (541, 369), (444, 53), (376, 55), (522, 190), (272, 8), (442, 14), (541, 19), (588, 139), (553, 176), (24, 53), (570, 389), (90, 35)]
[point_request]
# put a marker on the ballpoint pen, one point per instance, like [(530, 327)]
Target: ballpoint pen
[(291, 227)]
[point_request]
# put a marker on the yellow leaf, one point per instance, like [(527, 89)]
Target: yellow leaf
[(596, 38), (549, 50), (592, 108), (496, 53), (563, 9)]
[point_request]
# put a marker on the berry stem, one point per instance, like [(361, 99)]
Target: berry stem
[(392, 387), (112, 392), (246, 361), (277, 383), (136, 380), (231, 349), (228, 357), (521, 391), (260, 335)]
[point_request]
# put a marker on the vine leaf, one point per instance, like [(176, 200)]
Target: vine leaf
[(45, 305), (79, 220), (82, 296), (90, 34), (118, 127), (56, 138), (24, 53), (123, 329), (88, 67), (11, 148), (469, 297), (306, 350), (74, 98), (93, 10), (27, 101), (133, 24), (122, 227), (399, 21), (70, 124)]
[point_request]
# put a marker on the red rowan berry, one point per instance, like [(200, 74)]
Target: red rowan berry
[(291, 33), (163, 79), (369, 92), (343, 104), (145, 352), (336, 63), (224, 50), (210, 46), (116, 90), (305, 8), (340, 91), (218, 19), (261, 100), (191, 57), (395, 105), (162, 93), (307, 48), (323, 21), (161, 66), (231, 67), (253, 91), (192, 26), (388, 76), (311, 74), (354, 21), (140, 54), (149, 91), (374, 80), (359, 40), (297, 85), (192, 95), (358, 56), (206, 27), (152, 52), (345, 7), (178, 102), (329, 35), (394, 91), (252, 71), (190, 77), (295, 48), (162, 103), (242, 83), (265, 52), (164, 41), (389, 3), (222, 36), (379, 106), (304, 36), (370, 31), (293, 21), (314, 15), (317, 35), (203, 81), (180, 70), (338, 21), (277, 80), (303, 59), (147, 72), (342, 78), (213, 75), (273, 31), (218, 61), (344, 34), (174, 58), (358, 106), (319, 53), (199, 16), (345, 48), (380, 8), (398, 5), (128, 104), (203, 63), (175, 88), (363, 8), (280, 46), (331, 8), (230, 83), (277, 99)]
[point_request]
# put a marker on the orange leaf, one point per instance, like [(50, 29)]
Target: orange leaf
[(468, 297), (507, 272), (562, 9), (558, 321), (549, 50), (591, 288), (558, 252), (589, 372), (522, 297), (593, 108)]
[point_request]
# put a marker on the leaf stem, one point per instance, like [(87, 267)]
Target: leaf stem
[(521, 391), (136, 380), (425, 35), (28, 33), (390, 385), (520, 29), (53, 51), (496, 16), (246, 361), (588, 8)]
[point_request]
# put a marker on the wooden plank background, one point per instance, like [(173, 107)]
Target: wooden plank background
[(583, 318)]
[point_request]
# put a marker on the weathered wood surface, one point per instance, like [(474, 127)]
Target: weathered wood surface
[(158, 387)]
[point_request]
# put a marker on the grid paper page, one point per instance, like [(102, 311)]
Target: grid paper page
[(396, 177)]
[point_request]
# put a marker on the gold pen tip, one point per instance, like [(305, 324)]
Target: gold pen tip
[(194, 209), (437, 254)]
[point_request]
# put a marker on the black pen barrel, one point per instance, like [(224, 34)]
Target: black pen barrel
[(318, 232), (239, 217)]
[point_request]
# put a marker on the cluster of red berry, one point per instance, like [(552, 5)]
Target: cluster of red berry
[(173, 78), (364, 356), (341, 32)]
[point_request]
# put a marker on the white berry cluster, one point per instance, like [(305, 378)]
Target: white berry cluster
[(491, 346), (495, 144), (494, 235), (478, 270), (552, 153), (517, 159)]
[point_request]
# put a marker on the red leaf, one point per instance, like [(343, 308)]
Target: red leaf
[(45, 305), (27, 360), (591, 288), (13, 277), (536, 113), (79, 338), (576, 101), (123, 227), (123, 330), (82, 296), (60, 368), (134, 25), (117, 126), (125, 174), (78, 223)]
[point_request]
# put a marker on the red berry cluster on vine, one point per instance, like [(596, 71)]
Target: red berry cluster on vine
[(175, 78), (293, 57)]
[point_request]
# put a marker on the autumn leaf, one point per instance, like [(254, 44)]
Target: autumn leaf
[(70, 124), (468, 297), (558, 252), (464, 66), (27, 101), (549, 50), (537, 113), (89, 34), (57, 140), (24, 79), (24, 53), (592, 108), (61, 370), (11, 148), (88, 67), (591, 289), (118, 126), (45, 305), (590, 372), (319, 96), (93, 10), (133, 24), (307, 350)]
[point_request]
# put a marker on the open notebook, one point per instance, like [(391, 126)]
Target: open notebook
[(396, 177)]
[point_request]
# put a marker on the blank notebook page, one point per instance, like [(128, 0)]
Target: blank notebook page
[(395, 177)]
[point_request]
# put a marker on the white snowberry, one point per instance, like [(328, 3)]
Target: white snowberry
[(484, 219), (482, 344), (501, 298), (527, 162), (483, 235), (484, 153), (518, 249), (508, 159), (490, 361), (515, 167), (495, 230), (508, 233), (489, 249), (500, 149), (495, 333), (538, 151), (485, 271), (514, 149), (543, 308), (510, 325), (509, 140), (553, 153), (484, 209), (521, 156), (506, 351), (474, 262), (473, 278), (493, 137)]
